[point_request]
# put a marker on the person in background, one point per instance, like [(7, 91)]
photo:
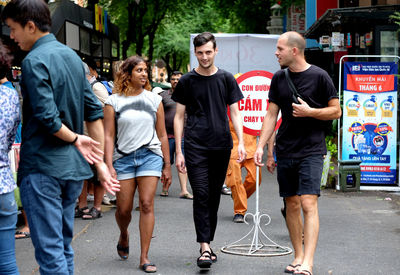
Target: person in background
[(300, 143), (54, 154), (23, 232), (136, 152), (9, 121), (241, 191), (204, 94), (169, 110), (82, 211)]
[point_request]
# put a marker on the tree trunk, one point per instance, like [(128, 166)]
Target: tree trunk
[(131, 32), (151, 45), (125, 46), (169, 69)]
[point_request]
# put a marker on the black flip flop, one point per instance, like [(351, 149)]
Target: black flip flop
[(145, 266), (303, 272), (124, 249), (294, 268)]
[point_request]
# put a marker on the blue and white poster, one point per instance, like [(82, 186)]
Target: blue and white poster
[(370, 119)]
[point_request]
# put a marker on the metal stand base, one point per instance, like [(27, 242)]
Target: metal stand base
[(257, 248)]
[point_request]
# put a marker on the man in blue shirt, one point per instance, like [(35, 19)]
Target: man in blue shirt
[(54, 154)]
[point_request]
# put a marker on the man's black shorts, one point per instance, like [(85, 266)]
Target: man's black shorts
[(300, 176)]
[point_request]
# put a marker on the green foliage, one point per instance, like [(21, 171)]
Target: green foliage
[(160, 29), (172, 40), (246, 16), (396, 17), (331, 145), (287, 3)]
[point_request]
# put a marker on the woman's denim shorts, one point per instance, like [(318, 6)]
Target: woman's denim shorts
[(140, 163)]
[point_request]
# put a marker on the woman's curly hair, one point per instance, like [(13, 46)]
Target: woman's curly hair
[(5, 60), (122, 83)]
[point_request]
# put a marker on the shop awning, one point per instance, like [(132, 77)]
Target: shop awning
[(359, 19)]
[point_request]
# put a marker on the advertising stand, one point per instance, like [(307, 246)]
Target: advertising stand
[(369, 123), (253, 107)]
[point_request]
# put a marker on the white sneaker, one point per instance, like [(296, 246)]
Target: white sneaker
[(106, 200), (225, 190)]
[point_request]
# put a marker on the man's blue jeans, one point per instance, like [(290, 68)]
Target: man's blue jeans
[(49, 205), (8, 220)]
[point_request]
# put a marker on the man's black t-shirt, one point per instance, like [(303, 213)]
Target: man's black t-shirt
[(206, 99), (301, 136)]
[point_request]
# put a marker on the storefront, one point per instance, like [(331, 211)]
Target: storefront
[(353, 31), (364, 31), (89, 33), (76, 27)]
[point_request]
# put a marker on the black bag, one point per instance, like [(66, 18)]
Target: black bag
[(326, 124)]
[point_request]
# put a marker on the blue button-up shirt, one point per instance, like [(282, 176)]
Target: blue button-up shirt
[(9, 120), (55, 91)]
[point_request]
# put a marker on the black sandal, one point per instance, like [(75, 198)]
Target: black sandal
[(92, 215), (79, 212), (213, 255), (124, 249), (204, 263)]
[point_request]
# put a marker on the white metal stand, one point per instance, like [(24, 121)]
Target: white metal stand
[(258, 247)]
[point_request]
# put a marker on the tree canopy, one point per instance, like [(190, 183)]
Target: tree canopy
[(160, 29)]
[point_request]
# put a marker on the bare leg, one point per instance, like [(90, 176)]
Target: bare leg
[(147, 189), (183, 182), (309, 204), (24, 228), (123, 215), (98, 196), (295, 226), (82, 199)]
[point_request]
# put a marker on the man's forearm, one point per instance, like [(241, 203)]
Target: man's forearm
[(271, 145), (266, 130), (238, 125), (178, 131)]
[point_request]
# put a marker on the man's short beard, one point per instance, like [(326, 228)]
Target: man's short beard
[(206, 67)]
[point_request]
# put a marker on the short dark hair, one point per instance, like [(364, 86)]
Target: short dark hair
[(91, 63), (204, 38), (176, 73), (5, 60), (22, 11)]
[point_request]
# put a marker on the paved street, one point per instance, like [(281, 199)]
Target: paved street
[(359, 234)]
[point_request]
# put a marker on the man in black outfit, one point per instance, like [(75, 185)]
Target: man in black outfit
[(204, 93), (300, 143)]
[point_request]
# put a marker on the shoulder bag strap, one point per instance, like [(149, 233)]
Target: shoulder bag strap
[(292, 88)]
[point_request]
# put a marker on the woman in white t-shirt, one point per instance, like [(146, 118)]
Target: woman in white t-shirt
[(136, 151)]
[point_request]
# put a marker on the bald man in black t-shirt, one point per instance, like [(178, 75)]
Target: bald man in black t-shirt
[(300, 143)]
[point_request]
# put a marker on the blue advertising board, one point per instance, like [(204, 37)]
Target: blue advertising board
[(370, 119)]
